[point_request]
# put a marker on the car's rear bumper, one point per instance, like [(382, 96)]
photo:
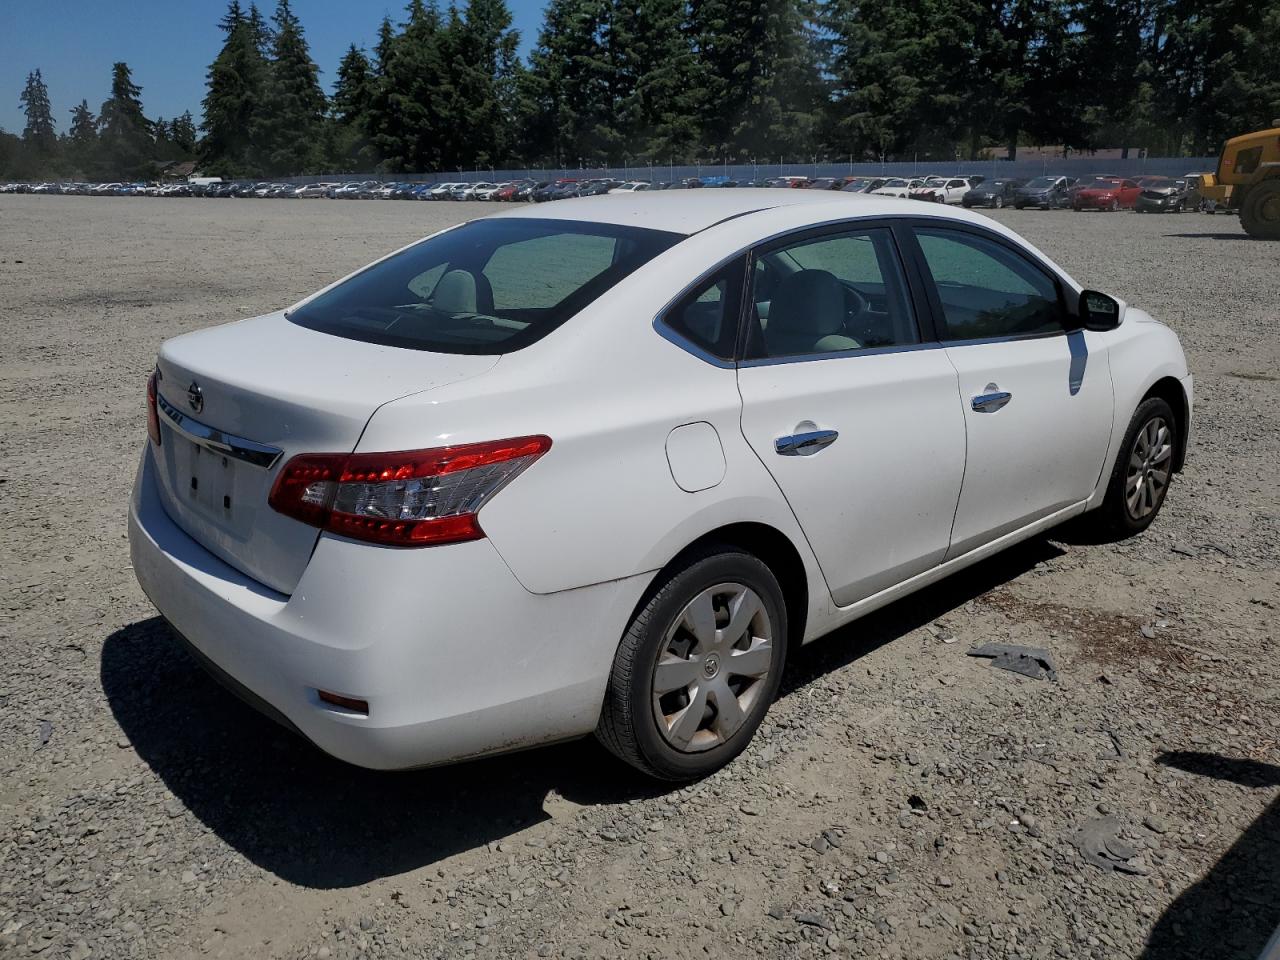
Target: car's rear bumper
[(454, 657)]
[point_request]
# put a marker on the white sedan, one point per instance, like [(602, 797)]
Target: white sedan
[(899, 187), (596, 466)]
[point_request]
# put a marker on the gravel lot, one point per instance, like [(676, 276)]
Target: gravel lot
[(905, 800)]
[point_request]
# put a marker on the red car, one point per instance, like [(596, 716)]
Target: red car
[(1106, 193)]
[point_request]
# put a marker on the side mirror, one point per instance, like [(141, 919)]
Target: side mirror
[(1097, 311)]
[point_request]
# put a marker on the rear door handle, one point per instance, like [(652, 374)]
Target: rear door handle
[(802, 444), (991, 402)]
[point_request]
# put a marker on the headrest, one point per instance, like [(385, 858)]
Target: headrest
[(810, 302)]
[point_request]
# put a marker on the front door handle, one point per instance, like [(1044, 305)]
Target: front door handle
[(803, 444), (991, 402)]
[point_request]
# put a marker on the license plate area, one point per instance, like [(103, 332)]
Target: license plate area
[(206, 481)]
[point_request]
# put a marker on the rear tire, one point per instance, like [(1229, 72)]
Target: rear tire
[(698, 667), (1142, 472)]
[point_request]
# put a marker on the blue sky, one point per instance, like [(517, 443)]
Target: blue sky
[(168, 45)]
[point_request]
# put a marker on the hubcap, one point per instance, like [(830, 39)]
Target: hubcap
[(710, 674), (1150, 461)]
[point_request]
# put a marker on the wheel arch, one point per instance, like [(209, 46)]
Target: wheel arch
[(769, 545), (1170, 391)]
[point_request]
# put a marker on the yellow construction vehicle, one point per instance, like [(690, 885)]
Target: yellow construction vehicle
[(1250, 166)]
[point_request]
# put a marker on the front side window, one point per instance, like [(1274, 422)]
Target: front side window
[(487, 287), (986, 290), (834, 293)]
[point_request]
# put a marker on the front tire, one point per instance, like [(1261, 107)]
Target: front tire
[(1142, 472), (698, 666), (1260, 213)]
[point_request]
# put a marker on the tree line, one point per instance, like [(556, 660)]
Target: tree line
[(625, 81)]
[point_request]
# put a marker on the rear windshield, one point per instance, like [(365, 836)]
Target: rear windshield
[(487, 287)]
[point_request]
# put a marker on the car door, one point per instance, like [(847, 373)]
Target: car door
[(853, 413), (1036, 401)]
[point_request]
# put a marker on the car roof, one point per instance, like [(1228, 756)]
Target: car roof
[(689, 211)]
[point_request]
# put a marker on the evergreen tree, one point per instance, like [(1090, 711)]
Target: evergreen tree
[(82, 140), (660, 79), (236, 82), (347, 145), (1220, 67), (352, 91), (39, 137), (411, 96), (764, 95), (287, 127), (182, 132), (877, 57), (569, 84), (126, 146), (482, 67)]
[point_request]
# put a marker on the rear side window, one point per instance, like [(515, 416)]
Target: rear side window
[(987, 290), (707, 316), (487, 287)]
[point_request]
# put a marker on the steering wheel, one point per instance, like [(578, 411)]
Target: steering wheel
[(856, 304)]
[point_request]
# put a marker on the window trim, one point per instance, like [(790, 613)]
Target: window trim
[(937, 315), (919, 282)]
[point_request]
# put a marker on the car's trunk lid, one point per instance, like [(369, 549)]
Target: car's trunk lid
[(237, 401)]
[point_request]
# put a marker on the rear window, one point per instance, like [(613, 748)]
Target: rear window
[(487, 287)]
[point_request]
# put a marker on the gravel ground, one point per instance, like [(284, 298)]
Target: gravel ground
[(903, 801)]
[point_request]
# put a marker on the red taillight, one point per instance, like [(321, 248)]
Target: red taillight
[(410, 498), (153, 419)]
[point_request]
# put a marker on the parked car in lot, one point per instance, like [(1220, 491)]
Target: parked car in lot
[(942, 190), (1106, 193), (475, 497), (898, 187), (1044, 192), (1169, 195), (997, 193), (864, 184), (631, 186)]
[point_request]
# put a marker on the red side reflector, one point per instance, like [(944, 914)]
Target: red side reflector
[(346, 703)]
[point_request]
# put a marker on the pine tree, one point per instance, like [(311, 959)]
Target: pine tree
[(347, 144), (411, 96), (236, 80), (570, 84), (38, 137), (82, 140), (763, 89), (182, 132), (480, 66), (875, 57), (351, 93), (1220, 68), (125, 134), (287, 128), (660, 79)]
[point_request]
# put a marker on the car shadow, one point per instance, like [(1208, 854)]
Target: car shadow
[(1234, 909), (318, 822), (1210, 236)]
